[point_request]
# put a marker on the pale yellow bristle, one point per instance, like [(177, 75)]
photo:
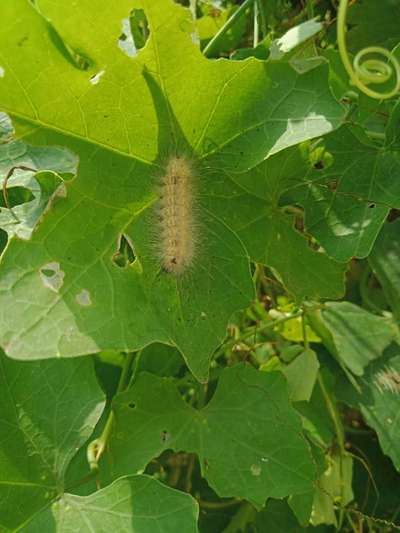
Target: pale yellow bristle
[(176, 231)]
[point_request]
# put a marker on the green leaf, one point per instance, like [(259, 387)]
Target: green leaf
[(333, 487), (123, 117), (213, 20), (134, 504), (277, 517), (347, 201), (248, 438), (379, 400), (269, 234), (306, 273), (301, 375), (6, 128), (293, 38), (373, 23), (354, 336), (47, 411), (159, 359), (316, 419), (385, 262), (45, 187)]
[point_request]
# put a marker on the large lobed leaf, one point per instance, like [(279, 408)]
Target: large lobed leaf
[(47, 411), (248, 438), (123, 116)]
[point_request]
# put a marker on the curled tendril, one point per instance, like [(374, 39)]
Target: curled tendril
[(364, 70)]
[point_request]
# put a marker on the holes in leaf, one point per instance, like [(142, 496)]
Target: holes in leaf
[(132, 405), (94, 80), (372, 206), (394, 214), (52, 276), (16, 196), (135, 32), (125, 255), (321, 159), (165, 435), (3, 240)]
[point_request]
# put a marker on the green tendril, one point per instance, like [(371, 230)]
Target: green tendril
[(364, 70)]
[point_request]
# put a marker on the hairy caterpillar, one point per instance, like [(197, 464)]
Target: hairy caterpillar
[(177, 235)]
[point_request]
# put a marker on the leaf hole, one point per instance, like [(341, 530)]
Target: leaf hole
[(3, 240), (135, 32), (371, 206), (125, 255), (321, 159), (16, 196), (132, 405), (52, 276), (94, 80), (165, 435), (394, 214)]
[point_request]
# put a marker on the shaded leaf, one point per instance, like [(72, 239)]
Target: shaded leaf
[(379, 401), (333, 487), (347, 200), (373, 23), (354, 336), (301, 375), (385, 262), (47, 411), (248, 438)]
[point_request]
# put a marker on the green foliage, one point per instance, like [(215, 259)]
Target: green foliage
[(247, 407), (257, 390)]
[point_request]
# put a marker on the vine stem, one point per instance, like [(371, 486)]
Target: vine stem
[(333, 413), (258, 329), (212, 44), (218, 505), (364, 71), (304, 330), (96, 448), (256, 25)]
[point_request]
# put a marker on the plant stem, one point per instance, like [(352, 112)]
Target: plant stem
[(96, 448), (213, 43), (304, 330), (375, 135), (193, 8), (253, 330), (218, 505), (340, 438), (261, 11), (256, 27)]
